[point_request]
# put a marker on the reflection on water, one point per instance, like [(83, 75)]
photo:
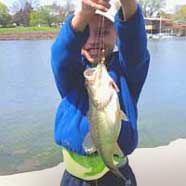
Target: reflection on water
[(162, 103), (27, 107)]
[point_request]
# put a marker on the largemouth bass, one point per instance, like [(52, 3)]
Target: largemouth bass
[(104, 116)]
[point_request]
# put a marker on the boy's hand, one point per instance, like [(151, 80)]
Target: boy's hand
[(87, 10), (129, 8), (90, 6)]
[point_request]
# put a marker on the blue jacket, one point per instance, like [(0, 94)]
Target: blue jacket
[(128, 67)]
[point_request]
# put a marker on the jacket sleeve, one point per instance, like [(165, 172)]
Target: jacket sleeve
[(66, 57), (133, 54)]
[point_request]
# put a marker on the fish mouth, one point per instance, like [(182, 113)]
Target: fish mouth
[(89, 74)]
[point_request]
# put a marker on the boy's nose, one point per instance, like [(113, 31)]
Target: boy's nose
[(98, 40), (96, 36)]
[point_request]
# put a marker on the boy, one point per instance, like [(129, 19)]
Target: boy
[(77, 47)]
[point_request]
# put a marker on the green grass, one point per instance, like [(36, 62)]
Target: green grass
[(28, 29)]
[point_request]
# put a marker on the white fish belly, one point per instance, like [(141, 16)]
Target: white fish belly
[(105, 128)]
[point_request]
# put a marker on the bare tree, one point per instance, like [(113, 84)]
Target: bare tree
[(152, 7), (23, 9), (68, 7), (20, 4)]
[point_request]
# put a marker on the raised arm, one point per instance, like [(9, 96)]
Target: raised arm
[(86, 11), (66, 57), (129, 8), (66, 50), (132, 45)]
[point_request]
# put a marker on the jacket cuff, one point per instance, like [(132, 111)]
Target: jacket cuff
[(131, 26), (74, 39)]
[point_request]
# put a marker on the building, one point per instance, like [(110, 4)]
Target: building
[(179, 29), (158, 25)]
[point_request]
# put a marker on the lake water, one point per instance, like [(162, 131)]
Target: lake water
[(29, 99)]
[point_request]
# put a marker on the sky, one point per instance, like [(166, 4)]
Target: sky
[(170, 3), (9, 3)]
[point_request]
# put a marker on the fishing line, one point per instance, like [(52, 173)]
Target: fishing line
[(100, 38), (103, 40), (100, 45), (124, 12)]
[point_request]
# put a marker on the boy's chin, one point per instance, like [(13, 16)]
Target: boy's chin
[(96, 60)]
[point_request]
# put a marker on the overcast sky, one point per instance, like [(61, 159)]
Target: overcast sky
[(43, 2), (170, 3)]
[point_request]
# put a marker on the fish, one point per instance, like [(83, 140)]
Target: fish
[(104, 115)]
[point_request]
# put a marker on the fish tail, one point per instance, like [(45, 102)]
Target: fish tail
[(114, 169), (117, 173)]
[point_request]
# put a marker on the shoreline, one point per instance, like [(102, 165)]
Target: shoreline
[(44, 35), (27, 36)]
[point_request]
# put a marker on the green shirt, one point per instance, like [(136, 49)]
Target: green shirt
[(90, 167)]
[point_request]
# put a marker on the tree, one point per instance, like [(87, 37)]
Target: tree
[(60, 11), (20, 4), (68, 7), (152, 7), (23, 15), (23, 9), (180, 15), (5, 17), (44, 15), (35, 18)]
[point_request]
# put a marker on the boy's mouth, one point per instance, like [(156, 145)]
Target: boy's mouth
[(95, 52)]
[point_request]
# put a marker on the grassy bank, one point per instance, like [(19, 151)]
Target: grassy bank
[(28, 29)]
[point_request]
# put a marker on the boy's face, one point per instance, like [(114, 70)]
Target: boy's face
[(93, 47)]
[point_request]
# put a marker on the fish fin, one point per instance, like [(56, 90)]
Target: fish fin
[(88, 144), (123, 116), (117, 173), (118, 151), (114, 85)]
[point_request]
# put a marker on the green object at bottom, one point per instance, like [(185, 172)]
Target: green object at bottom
[(88, 167)]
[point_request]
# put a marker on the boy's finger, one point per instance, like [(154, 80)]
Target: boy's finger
[(103, 3), (100, 5)]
